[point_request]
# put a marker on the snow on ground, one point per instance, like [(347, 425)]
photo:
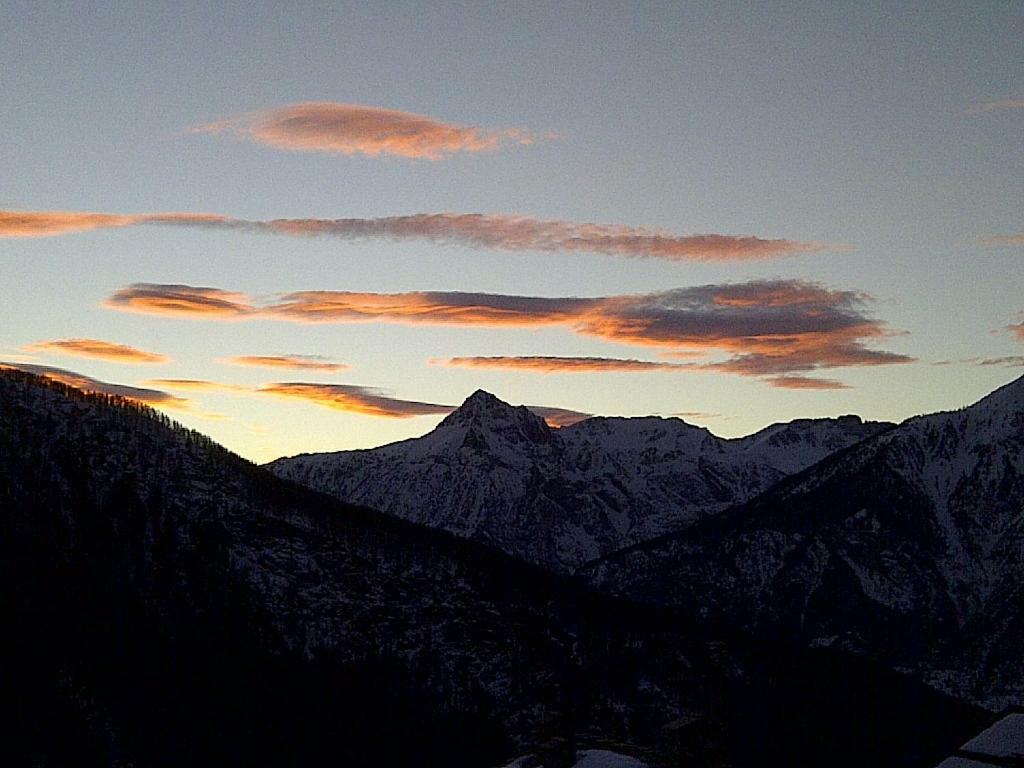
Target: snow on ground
[(600, 758), (1004, 739)]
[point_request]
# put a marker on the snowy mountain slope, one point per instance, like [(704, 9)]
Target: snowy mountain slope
[(908, 547), (561, 497)]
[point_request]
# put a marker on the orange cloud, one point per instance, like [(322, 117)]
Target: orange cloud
[(798, 327), (295, 362), (1008, 240), (180, 301), (95, 348), (474, 230), (434, 308), (46, 223), (550, 364), (356, 129), (1017, 329), (805, 382), (50, 223), (994, 106), (355, 399), (150, 397)]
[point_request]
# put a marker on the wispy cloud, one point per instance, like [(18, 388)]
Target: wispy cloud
[(520, 233), (152, 397), (354, 399), (1017, 329), (1007, 361), (357, 129), (501, 232), (1002, 240), (294, 362), (805, 382), (552, 364), (198, 385), (697, 415), (994, 106), (98, 349), (771, 327)]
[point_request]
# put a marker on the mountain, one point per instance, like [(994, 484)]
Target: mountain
[(166, 603), (499, 474), (907, 548)]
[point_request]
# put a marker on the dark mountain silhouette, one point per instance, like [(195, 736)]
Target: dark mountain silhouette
[(167, 603)]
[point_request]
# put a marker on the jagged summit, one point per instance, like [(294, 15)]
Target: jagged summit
[(482, 405), (482, 414), (481, 398)]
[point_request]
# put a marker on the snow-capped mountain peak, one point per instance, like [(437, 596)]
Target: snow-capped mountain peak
[(483, 415)]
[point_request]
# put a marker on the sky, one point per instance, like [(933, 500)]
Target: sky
[(320, 227)]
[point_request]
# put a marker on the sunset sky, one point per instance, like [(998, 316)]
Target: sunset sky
[(320, 228)]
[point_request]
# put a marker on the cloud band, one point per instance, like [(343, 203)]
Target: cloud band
[(473, 230), (765, 328)]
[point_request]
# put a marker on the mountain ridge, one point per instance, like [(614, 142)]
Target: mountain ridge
[(915, 533), (562, 497)]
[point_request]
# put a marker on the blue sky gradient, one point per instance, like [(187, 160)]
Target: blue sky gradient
[(833, 123)]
